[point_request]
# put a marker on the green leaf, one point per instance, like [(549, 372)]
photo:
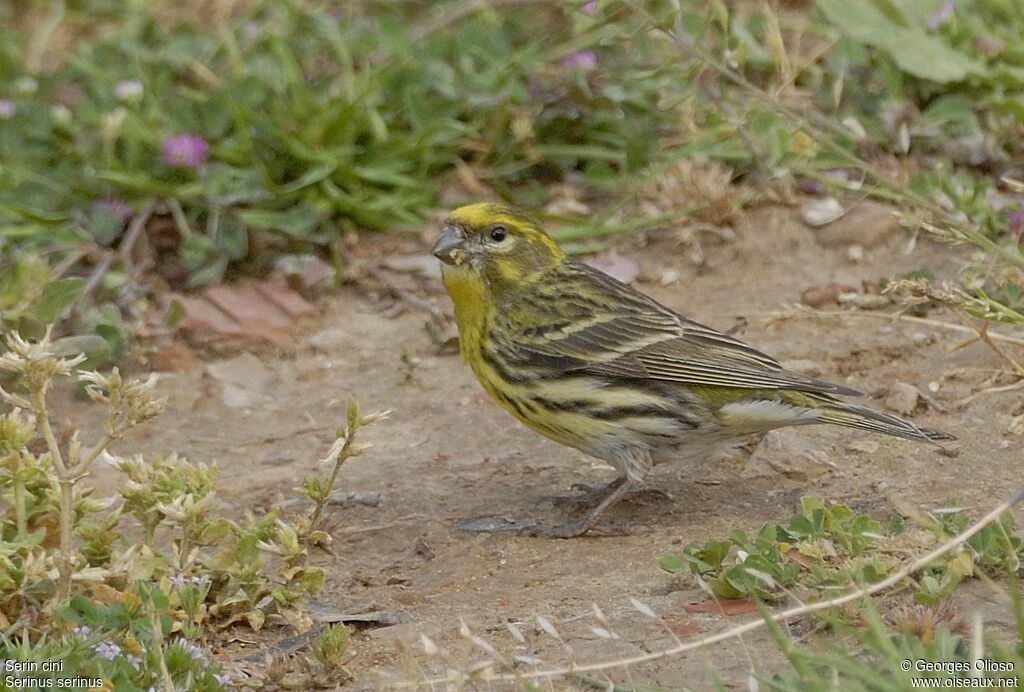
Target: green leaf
[(56, 297), (670, 563), (174, 313), (298, 221), (914, 51), (233, 238)]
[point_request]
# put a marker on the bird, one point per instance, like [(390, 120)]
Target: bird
[(596, 365)]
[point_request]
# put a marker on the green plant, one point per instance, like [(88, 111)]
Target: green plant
[(821, 547), (144, 608)]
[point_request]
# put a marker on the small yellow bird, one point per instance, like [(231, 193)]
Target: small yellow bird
[(589, 362)]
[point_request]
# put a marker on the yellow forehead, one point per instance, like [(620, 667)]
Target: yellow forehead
[(476, 216)]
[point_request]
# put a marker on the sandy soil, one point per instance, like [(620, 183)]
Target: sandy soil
[(447, 453)]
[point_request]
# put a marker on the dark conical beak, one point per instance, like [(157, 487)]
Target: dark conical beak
[(449, 247)]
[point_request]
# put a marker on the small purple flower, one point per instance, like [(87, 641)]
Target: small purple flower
[(178, 580), (583, 60), (589, 7), (113, 208), (184, 151), (222, 678), (201, 581), (82, 631), (134, 660), (1015, 224), (811, 186), (942, 14), (107, 650), (7, 109)]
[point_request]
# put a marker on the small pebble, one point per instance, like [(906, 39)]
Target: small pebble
[(819, 212), (903, 398)]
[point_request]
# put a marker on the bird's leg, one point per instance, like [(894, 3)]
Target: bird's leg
[(616, 490), (585, 496), (590, 495)]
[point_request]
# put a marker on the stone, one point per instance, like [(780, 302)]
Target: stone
[(786, 453), (868, 224), (903, 398), (330, 339), (824, 295), (819, 212), (245, 380)]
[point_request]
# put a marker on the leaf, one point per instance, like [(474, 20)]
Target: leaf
[(670, 563), (297, 222), (914, 51), (56, 297), (174, 313), (233, 238)]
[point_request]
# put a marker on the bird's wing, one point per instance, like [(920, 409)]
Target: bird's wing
[(602, 327)]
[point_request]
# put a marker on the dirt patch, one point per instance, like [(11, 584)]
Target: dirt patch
[(448, 453)]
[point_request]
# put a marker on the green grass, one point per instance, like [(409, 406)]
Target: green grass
[(318, 120)]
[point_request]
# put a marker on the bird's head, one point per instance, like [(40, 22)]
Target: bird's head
[(494, 246)]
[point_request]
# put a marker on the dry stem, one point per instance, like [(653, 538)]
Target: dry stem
[(789, 614)]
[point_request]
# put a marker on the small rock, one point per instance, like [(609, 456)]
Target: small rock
[(855, 253), (330, 339), (246, 370), (277, 457), (304, 272), (863, 446), (669, 277), (370, 498), (903, 398), (819, 212), (244, 380), (868, 224), (824, 295), (785, 452), (804, 367)]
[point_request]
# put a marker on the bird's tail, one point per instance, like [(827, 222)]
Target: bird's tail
[(863, 418)]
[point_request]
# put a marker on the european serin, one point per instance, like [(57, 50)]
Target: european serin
[(589, 362)]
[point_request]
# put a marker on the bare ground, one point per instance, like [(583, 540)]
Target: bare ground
[(447, 453)]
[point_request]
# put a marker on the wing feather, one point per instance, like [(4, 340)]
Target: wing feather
[(616, 331)]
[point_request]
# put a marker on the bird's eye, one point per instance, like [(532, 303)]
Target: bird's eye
[(499, 233)]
